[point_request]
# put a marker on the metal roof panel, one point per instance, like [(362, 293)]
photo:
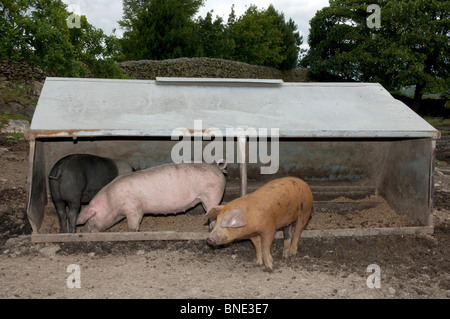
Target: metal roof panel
[(91, 107)]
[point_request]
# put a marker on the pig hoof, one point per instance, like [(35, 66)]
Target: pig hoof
[(259, 263), (268, 269)]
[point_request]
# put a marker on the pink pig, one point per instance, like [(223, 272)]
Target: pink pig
[(165, 189)]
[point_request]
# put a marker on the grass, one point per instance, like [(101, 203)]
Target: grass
[(17, 93), (437, 121), (17, 136), (4, 118), (20, 93)]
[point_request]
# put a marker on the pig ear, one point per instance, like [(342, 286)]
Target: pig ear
[(213, 212), (233, 219)]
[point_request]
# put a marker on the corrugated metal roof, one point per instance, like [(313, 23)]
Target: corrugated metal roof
[(97, 107)]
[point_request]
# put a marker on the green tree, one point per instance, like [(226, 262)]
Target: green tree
[(113, 47), (163, 29), (37, 32), (419, 50), (94, 50), (337, 35), (411, 47), (12, 28), (291, 39), (258, 40), (263, 37), (48, 38), (213, 39), (158, 29)]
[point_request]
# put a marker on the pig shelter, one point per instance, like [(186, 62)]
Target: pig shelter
[(353, 143)]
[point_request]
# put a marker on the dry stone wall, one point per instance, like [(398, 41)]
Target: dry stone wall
[(19, 71), (208, 68)]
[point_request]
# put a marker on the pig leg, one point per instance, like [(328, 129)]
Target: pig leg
[(209, 202), (62, 216), (266, 244), (134, 220), (287, 232), (256, 241), (300, 224), (74, 209)]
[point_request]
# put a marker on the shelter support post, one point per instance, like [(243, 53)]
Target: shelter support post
[(242, 160), (37, 188)]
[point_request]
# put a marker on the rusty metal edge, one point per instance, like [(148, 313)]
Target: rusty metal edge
[(172, 235), (285, 133)]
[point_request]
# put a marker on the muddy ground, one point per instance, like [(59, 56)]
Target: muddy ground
[(410, 266)]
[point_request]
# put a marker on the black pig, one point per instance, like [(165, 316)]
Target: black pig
[(75, 179)]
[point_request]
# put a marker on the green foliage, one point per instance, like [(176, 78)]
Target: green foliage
[(161, 29), (4, 119), (158, 29), (49, 38), (213, 38), (338, 41), (37, 32), (94, 50), (13, 92), (263, 37), (257, 38), (438, 121), (17, 136), (410, 48), (12, 33), (419, 47)]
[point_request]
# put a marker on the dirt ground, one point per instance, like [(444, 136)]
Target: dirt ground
[(409, 266)]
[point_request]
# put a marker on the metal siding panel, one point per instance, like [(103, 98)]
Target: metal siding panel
[(37, 191), (406, 181)]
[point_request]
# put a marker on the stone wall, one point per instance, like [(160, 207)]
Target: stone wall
[(20, 87), (19, 71), (208, 68)]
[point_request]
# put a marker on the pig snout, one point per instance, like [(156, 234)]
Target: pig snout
[(211, 241), (215, 242), (217, 238)]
